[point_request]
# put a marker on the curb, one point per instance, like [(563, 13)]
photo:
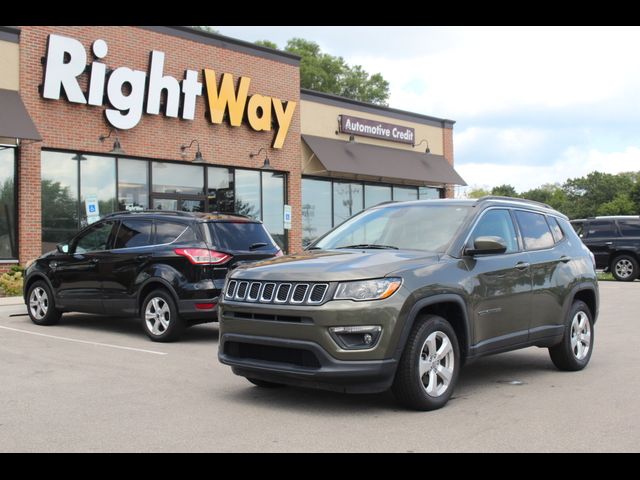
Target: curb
[(5, 301)]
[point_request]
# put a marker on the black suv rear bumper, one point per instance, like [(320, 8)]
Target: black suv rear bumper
[(302, 363)]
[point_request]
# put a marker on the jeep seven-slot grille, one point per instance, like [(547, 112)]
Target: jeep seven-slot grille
[(282, 293)]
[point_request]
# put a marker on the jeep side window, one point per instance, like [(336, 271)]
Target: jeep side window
[(558, 234), (497, 223), (535, 230), (601, 229)]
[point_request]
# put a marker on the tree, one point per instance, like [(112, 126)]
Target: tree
[(587, 194), (620, 205), (330, 74), (205, 28), (504, 191), (550, 193), (478, 193)]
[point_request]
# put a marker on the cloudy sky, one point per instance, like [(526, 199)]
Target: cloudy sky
[(532, 105)]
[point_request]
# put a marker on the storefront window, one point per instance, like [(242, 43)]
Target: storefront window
[(133, 184), (347, 201), (374, 194), (273, 206), (60, 207), (220, 189), (316, 209), (8, 246), (97, 178), (428, 192), (176, 178), (248, 193), (400, 194)]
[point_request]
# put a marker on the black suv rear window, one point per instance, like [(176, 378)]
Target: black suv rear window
[(240, 235), (167, 232), (629, 228), (133, 233)]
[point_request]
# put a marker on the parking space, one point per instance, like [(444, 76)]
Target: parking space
[(98, 384)]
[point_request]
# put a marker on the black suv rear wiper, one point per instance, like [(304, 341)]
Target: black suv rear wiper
[(257, 245), (370, 245)]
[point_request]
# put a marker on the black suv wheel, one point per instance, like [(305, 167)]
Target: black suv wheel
[(160, 318), (40, 305), (428, 369), (624, 268)]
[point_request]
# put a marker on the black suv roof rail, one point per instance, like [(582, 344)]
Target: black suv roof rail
[(155, 212), (513, 199)]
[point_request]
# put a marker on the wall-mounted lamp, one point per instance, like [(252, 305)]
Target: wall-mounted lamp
[(352, 138), (117, 149), (427, 150), (267, 164), (198, 158)]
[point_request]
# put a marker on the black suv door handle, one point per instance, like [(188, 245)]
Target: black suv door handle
[(142, 258), (522, 265), (608, 243), (94, 260)]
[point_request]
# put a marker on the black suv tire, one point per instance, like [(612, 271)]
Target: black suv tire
[(164, 324), (41, 306), (624, 268), (569, 355), (429, 334)]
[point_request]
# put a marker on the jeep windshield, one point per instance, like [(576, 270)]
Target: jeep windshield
[(409, 226)]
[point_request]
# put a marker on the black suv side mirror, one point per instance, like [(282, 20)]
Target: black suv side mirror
[(62, 247), (486, 245)]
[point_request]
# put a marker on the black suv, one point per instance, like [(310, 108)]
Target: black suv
[(403, 294), (615, 242), (167, 267)]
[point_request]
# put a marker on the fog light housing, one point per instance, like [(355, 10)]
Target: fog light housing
[(357, 337)]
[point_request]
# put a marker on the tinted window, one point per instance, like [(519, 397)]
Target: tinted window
[(497, 223), (600, 229), (240, 235), (167, 232), (578, 227), (133, 233), (629, 228), (95, 239), (558, 234), (534, 229)]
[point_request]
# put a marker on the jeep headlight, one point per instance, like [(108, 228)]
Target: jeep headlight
[(367, 289)]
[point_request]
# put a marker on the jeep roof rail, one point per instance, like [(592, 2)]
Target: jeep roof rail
[(617, 216), (514, 199)]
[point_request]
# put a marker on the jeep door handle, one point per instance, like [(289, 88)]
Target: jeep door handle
[(522, 265), (565, 259)]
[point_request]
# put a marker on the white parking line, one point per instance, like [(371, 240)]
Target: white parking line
[(84, 341)]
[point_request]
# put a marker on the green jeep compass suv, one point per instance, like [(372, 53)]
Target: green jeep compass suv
[(401, 295)]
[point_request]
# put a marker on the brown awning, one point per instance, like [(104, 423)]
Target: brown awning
[(364, 159), (15, 121)]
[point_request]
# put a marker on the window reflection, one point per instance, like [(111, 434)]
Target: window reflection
[(248, 193), (273, 206), (401, 194), (347, 201), (176, 178), (316, 208), (7, 204), (375, 194), (133, 184), (220, 189), (97, 177)]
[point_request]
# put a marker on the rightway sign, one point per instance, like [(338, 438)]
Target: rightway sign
[(375, 129)]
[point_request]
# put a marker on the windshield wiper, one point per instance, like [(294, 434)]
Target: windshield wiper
[(313, 248), (370, 245), (256, 245)]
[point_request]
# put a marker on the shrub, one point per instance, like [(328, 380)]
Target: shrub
[(11, 282)]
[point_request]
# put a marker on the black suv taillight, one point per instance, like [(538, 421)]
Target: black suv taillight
[(203, 256)]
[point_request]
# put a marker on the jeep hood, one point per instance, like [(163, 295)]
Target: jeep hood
[(334, 265)]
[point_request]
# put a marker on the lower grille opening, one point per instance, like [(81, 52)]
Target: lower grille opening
[(269, 353), (268, 317)]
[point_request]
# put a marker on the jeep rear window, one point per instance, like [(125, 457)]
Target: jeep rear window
[(241, 235), (414, 227), (629, 228)]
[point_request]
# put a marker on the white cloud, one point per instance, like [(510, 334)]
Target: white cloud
[(574, 162)]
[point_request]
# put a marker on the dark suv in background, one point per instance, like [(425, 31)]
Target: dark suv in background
[(615, 242), (167, 267), (403, 294)]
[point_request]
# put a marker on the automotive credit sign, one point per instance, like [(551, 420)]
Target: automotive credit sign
[(375, 129), (66, 61)]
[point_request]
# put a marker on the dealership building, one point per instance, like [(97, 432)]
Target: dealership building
[(100, 119)]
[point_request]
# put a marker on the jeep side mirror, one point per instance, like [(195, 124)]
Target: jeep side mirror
[(486, 245), (62, 247)]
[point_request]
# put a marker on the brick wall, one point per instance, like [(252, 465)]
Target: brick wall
[(73, 126), (447, 142)]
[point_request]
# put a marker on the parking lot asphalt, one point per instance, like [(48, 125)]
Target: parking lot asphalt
[(98, 384)]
